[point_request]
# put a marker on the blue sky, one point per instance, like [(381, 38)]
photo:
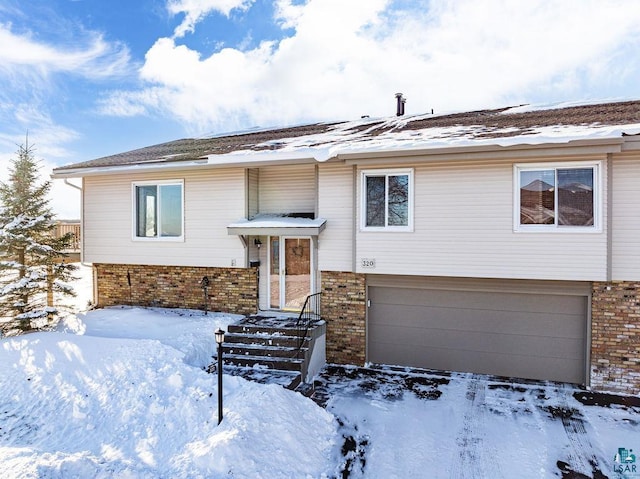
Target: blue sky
[(89, 78)]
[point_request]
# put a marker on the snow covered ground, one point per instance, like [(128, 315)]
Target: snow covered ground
[(121, 392), (406, 424)]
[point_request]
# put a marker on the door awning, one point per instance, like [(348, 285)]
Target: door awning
[(271, 225)]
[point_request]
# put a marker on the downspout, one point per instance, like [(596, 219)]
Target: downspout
[(245, 241), (81, 190), (609, 168), (315, 240), (67, 182), (82, 237), (354, 216)]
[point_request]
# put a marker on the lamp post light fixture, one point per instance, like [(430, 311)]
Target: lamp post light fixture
[(219, 340)]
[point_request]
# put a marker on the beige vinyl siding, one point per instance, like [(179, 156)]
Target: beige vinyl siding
[(464, 227), (287, 189), (626, 220), (335, 204), (252, 180), (213, 199)]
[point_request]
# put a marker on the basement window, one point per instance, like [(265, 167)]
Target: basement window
[(387, 200), (158, 210), (563, 197)]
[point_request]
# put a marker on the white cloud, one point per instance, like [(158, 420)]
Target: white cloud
[(49, 138), (63, 199), (50, 147), (345, 59), (124, 104), (287, 13), (196, 10), (31, 66), (91, 57)]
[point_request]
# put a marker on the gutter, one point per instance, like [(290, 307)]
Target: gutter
[(352, 155), (104, 170), (223, 161)]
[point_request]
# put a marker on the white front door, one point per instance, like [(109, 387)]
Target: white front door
[(290, 272)]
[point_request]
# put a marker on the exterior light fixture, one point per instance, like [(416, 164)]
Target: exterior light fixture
[(219, 334), (205, 285), (257, 242)]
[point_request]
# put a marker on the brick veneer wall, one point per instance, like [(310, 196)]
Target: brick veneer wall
[(344, 309), (615, 337), (232, 290)]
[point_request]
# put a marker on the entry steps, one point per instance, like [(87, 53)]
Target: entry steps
[(269, 350)]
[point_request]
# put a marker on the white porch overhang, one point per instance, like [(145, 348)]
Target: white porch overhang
[(266, 225)]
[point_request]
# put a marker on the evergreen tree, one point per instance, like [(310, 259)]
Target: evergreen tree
[(32, 266)]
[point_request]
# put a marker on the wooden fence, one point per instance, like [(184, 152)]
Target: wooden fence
[(73, 227)]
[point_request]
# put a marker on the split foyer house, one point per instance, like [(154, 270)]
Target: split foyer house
[(501, 241)]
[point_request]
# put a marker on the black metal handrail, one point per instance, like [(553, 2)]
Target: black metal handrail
[(310, 311)]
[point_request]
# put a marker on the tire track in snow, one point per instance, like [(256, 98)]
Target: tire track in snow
[(474, 452), (582, 453)]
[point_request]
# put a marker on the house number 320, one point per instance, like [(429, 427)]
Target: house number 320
[(367, 263)]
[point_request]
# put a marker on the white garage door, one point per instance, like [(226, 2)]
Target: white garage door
[(516, 334)]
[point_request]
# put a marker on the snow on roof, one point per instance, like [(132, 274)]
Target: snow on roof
[(278, 221), (330, 145), (520, 125), (527, 107), (277, 225)]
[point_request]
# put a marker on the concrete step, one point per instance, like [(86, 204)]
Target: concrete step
[(296, 383), (267, 350), (244, 360), (287, 379), (253, 329), (264, 339), (242, 349), (306, 389)]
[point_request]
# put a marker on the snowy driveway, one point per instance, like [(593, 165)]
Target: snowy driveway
[(408, 424)]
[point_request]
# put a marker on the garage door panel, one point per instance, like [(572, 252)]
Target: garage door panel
[(476, 300), (450, 342), (508, 334), (494, 363), (509, 322)]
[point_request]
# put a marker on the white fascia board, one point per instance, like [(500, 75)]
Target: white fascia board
[(277, 226), (276, 231), (253, 159), (121, 169), (352, 153)]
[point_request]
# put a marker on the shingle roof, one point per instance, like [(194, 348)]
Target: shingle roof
[(475, 125)]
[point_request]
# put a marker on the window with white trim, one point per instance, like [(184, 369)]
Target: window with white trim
[(158, 210), (554, 197), (387, 200)]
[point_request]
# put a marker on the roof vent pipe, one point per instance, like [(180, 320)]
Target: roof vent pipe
[(400, 101)]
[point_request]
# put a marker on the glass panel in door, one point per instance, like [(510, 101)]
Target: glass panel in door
[(297, 269), (274, 272)]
